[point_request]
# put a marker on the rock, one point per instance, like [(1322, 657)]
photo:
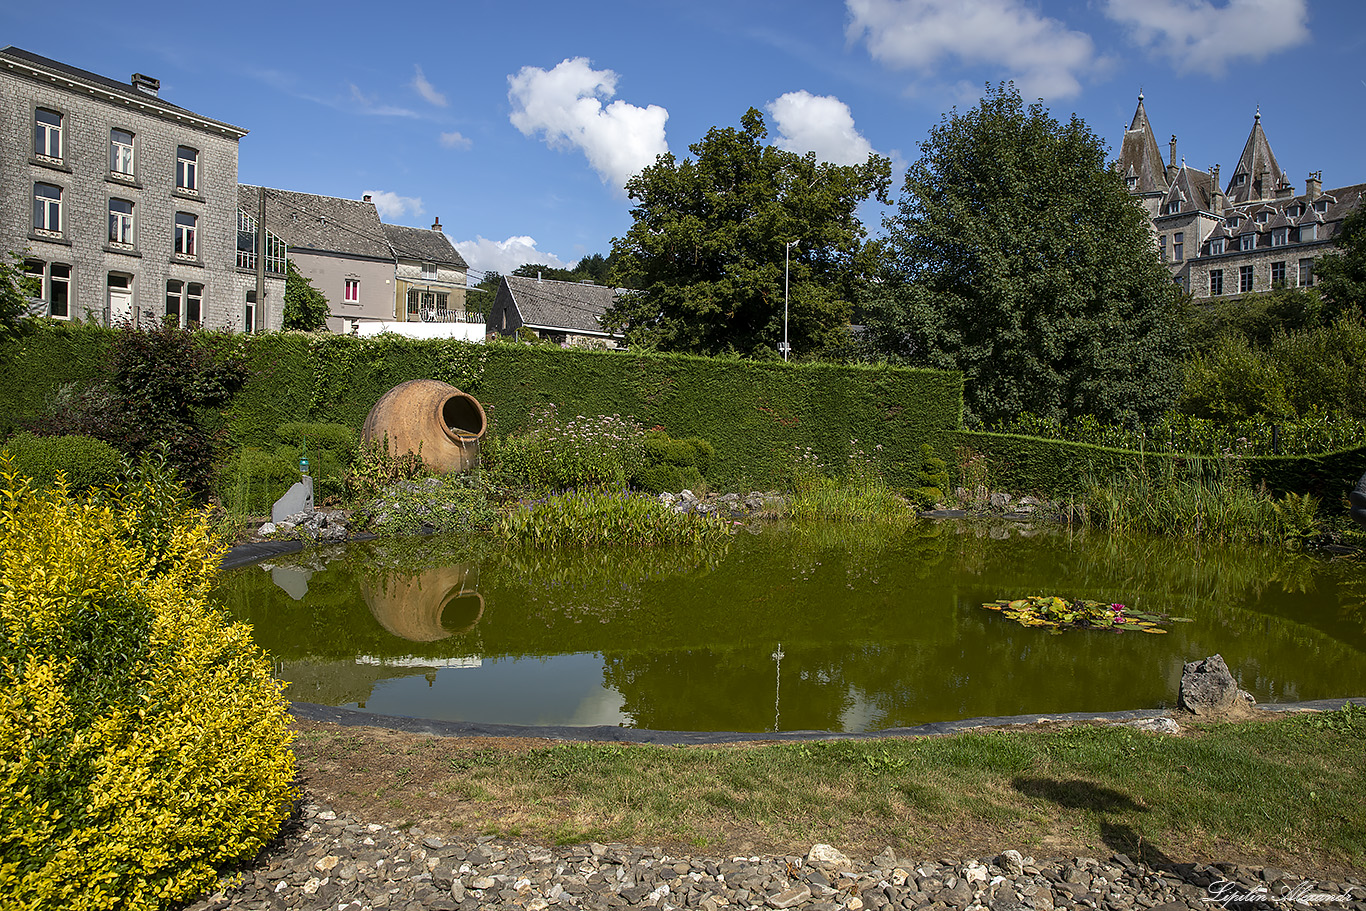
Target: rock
[(266, 530), (790, 897), (1156, 725), (1207, 687), (1012, 862), (828, 856)]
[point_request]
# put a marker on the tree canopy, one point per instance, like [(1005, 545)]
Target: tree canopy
[(1019, 258), (706, 250), (1342, 274), (595, 268), (306, 307)]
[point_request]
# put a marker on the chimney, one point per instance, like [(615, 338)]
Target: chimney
[(1171, 168), (1217, 195), (436, 224), (1313, 187), (146, 84), (365, 198)]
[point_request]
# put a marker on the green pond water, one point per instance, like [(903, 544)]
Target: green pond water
[(832, 628)]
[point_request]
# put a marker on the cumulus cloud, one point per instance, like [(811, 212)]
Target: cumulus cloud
[(1042, 55), (503, 256), (454, 140), (818, 123), (392, 207), (1199, 36), (426, 89), (564, 106)]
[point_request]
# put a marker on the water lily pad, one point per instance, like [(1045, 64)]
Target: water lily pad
[(1059, 614)]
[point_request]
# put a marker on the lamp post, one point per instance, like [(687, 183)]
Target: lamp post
[(785, 348)]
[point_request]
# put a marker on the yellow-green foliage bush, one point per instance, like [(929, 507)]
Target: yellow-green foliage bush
[(143, 741)]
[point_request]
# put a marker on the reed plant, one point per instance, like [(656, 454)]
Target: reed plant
[(1208, 498), (859, 493), (588, 517), (601, 451)]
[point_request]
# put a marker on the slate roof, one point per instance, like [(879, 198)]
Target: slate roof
[(1195, 189), (1257, 159), (124, 90), (325, 224), (1140, 157), (571, 306), (424, 244)]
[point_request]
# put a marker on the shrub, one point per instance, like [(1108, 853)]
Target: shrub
[(672, 465), (143, 741), (83, 461), (603, 451), (932, 478), (375, 468), (453, 502)]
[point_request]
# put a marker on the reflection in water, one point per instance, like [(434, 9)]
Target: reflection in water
[(817, 628), (425, 607)]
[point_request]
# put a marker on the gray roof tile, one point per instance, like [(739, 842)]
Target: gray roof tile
[(548, 304), (324, 223), (425, 244)]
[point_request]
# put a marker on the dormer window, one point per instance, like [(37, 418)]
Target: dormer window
[(1216, 246), (1280, 237), (1263, 217), (1247, 242), (1321, 205), (1173, 207), (1309, 232), (1239, 180)]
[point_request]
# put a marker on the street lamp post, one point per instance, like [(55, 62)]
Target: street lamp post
[(785, 348)]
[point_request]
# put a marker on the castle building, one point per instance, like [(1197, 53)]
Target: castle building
[(1253, 234)]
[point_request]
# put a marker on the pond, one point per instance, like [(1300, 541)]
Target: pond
[(831, 628)]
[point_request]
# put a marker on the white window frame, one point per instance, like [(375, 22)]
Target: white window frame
[(47, 137), (1216, 246), (1280, 237), (351, 294), (121, 154), (51, 276), (1247, 242), (1278, 267), (429, 272), (249, 313), (1309, 232), (47, 211), (1178, 246), (1216, 282), (187, 235), (1246, 279), (1305, 273), (187, 169), (121, 223)]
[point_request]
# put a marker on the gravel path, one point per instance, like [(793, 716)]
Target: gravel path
[(326, 860)]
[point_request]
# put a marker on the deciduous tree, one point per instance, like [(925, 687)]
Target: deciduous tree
[(706, 250), (1342, 274), (1020, 259)]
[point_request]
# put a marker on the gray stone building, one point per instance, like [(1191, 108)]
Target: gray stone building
[(1253, 234), (122, 204), (567, 313)]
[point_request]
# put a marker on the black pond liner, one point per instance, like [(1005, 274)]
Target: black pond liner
[(311, 711)]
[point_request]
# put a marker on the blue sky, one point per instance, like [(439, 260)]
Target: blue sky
[(517, 123)]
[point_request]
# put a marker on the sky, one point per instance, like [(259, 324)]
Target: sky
[(519, 123)]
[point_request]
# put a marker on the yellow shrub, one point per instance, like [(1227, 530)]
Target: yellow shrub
[(143, 741)]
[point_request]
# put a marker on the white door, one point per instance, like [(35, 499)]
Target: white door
[(120, 306)]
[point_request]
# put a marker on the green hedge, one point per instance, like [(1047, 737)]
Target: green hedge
[(754, 414), (42, 357), (1053, 468), (83, 462)]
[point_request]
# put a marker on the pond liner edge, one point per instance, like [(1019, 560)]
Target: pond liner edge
[(311, 711)]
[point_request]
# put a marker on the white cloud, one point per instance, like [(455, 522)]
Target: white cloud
[(362, 103), (426, 89), (818, 123), (1200, 36), (505, 255), (392, 207), (454, 140), (564, 106), (1042, 55)]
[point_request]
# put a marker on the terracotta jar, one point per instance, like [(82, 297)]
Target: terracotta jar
[(432, 418), (427, 607)]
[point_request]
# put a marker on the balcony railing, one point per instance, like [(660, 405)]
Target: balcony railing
[(436, 315)]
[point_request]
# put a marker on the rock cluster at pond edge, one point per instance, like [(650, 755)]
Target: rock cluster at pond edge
[(333, 861)]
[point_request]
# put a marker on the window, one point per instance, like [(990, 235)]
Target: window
[(352, 295), (50, 283), (1309, 232), (1216, 246), (186, 231), (246, 246), (47, 134), (1162, 246), (1173, 207), (1247, 242), (1239, 179), (1263, 217), (1244, 279), (1178, 245), (1321, 205), (121, 153), (121, 222), (1216, 282), (1278, 275), (184, 303), (429, 271), (47, 209), (1306, 273), (249, 315), (1280, 237), (187, 169)]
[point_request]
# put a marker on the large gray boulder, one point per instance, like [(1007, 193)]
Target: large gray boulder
[(1207, 688)]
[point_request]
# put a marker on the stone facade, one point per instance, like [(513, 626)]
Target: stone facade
[(1251, 235), (120, 203)]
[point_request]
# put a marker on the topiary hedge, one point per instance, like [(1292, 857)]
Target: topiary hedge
[(83, 461), (143, 740)]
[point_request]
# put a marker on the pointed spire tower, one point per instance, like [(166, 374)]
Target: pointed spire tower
[(1140, 160), (1257, 175)]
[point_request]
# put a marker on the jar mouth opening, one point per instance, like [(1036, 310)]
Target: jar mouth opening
[(462, 418)]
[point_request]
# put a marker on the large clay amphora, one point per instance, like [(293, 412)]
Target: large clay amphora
[(444, 422), (426, 607)]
